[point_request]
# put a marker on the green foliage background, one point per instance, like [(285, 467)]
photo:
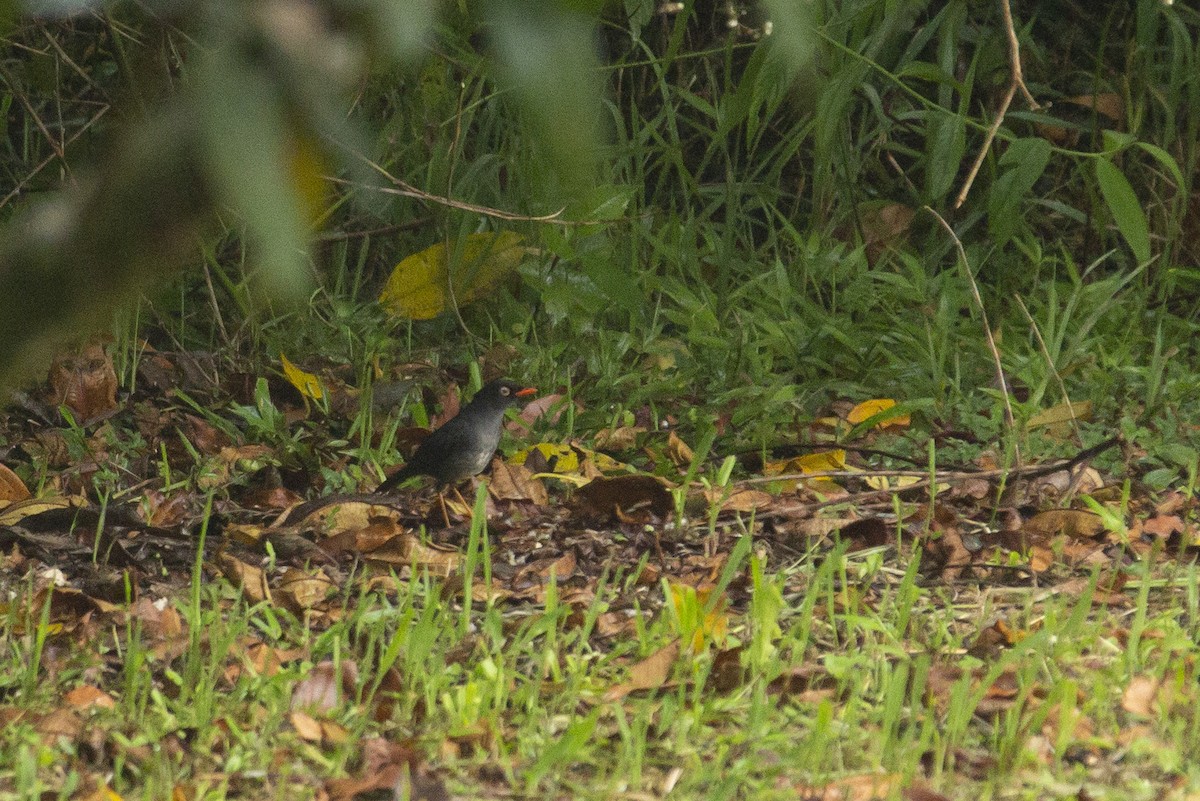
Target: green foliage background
[(719, 173)]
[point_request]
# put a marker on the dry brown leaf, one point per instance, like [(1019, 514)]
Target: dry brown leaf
[(1110, 104), (561, 568), (678, 451), (615, 624), (869, 532), (994, 639), (1172, 503), (648, 674), (383, 763), (266, 660), (308, 727), (1161, 526), (64, 723), (203, 436), (326, 688), (407, 549), (1071, 522), (378, 533), (251, 579), (88, 696), (157, 619), (301, 590), (623, 438), (164, 511), (19, 510), (543, 406), (268, 498), (863, 787), (626, 495), (245, 533), (337, 518), (515, 482), (1141, 696), (739, 500), (1041, 557), (884, 227)]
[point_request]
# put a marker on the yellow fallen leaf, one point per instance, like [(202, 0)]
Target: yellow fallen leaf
[(306, 384), (869, 408), (1062, 413), (809, 463), (899, 482), (556, 458), (418, 287)]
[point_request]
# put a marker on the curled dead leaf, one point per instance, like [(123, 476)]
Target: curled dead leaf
[(251, 579), (84, 381), (12, 488), (648, 674), (678, 451)]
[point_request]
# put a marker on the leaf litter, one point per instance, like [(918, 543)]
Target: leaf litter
[(563, 519)]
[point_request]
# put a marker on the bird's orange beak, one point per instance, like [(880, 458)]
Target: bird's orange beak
[(524, 393)]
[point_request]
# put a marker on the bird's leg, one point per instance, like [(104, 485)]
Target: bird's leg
[(442, 503), (462, 500)]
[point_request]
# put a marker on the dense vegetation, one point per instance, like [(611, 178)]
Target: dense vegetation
[(735, 221)]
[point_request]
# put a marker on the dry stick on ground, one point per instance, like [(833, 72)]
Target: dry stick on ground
[(1017, 81), (1001, 381), (1030, 471), (1033, 471), (408, 190)]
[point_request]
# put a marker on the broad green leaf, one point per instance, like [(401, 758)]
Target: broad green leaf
[(1125, 208), (603, 202), (925, 71), (1117, 140), (418, 287), (947, 143), (1021, 166), (613, 280), (1167, 160)]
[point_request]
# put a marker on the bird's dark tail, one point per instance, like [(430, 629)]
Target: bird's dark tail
[(396, 479)]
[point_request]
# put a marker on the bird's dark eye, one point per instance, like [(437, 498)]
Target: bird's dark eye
[(505, 391)]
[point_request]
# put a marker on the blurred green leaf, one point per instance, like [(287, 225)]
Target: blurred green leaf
[(549, 55), (402, 30), (249, 147), (792, 26)]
